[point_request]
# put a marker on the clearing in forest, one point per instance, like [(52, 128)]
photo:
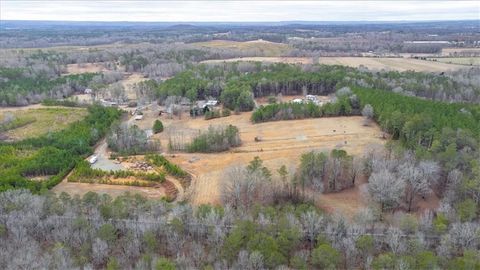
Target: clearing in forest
[(278, 143), (259, 47), (29, 123), (112, 190), (85, 68), (135, 176)]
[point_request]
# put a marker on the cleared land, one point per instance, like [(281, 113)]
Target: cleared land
[(262, 47), (129, 82), (112, 190), (469, 61), (282, 143), (43, 120), (456, 51), (375, 63), (85, 67)]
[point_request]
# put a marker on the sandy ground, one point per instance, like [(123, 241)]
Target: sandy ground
[(282, 143), (374, 63)]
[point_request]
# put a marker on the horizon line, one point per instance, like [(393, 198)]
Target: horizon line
[(305, 21)]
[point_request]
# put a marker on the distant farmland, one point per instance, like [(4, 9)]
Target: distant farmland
[(259, 47), (374, 63)]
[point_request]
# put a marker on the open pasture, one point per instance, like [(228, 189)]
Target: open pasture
[(260, 47), (278, 143), (41, 120)]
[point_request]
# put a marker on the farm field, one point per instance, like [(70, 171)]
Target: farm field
[(262, 47), (456, 51), (40, 120), (282, 143), (375, 63), (469, 61)]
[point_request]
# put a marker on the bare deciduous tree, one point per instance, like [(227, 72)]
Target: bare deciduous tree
[(367, 113), (385, 188)]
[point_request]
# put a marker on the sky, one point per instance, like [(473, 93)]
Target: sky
[(238, 11)]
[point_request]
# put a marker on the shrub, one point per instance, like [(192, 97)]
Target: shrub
[(169, 167), (164, 264), (272, 100), (226, 112), (326, 257), (467, 210), (212, 114), (157, 126)]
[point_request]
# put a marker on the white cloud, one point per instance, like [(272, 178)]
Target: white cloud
[(238, 11)]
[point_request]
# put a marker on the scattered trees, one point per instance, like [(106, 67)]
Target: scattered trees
[(130, 140), (327, 173), (215, 139)]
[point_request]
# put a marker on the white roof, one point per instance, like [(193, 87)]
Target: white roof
[(211, 102)]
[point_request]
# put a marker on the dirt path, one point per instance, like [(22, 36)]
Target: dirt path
[(181, 192)]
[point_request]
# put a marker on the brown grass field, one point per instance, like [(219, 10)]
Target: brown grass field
[(128, 83), (452, 51), (374, 63), (46, 119), (85, 67), (112, 190), (468, 61), (263, 47), (282, 143)]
